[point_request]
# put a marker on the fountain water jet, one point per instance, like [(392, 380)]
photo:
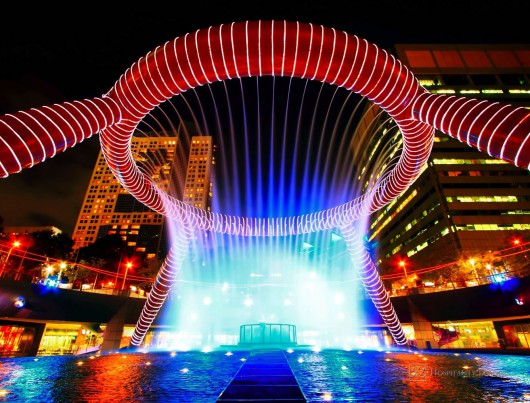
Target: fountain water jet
[(281, 279)]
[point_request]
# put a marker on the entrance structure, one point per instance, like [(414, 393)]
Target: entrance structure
[(260, 48), (271, 334)]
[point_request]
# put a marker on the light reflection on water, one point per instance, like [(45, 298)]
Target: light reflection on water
[(328, 375), (154, 377), (402, 376)]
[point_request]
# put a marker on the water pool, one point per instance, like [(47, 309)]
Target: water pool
[(327, 375)]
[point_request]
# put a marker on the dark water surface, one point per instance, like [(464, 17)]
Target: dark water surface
[(328, 375)]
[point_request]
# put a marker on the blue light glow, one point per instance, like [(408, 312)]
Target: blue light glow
[(20, 302), (251, 280), (287, 156)]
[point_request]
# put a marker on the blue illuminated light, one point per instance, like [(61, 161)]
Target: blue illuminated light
[(20, 302), (499, 278)]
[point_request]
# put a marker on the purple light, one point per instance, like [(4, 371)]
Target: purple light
[(372, 282)]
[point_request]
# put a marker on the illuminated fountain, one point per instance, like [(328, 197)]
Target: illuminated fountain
[(255, 49), (289, 155)]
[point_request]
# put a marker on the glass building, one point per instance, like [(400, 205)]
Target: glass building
[(465, 202), (464, 205)]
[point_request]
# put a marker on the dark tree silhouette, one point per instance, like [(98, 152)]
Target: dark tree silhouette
[(111, 248), (51, 244)]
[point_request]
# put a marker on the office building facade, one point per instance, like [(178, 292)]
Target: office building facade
[(465, 203), (198, 184), (109, 209)]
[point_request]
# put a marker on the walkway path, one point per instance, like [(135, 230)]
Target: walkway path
[(265, 377)]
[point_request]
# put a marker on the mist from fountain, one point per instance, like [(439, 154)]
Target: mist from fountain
[(284, 147)]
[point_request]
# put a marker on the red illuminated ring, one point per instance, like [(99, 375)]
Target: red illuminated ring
[(264, 48), (259, 48)]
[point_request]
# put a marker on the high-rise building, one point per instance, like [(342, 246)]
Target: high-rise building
[(198, 184), (465, 202), (109, 209)]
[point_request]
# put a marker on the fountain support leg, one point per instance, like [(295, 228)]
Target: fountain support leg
[(164, 281), (372, 282)]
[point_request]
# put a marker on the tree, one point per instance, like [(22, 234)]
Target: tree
[(516, 254), (109, 248), (34, 248), (149, 271), (83, 274), (51, 244)]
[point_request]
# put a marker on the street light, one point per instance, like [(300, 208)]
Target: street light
[(16, 244), (472, 261), (118, 272), (490, 270), (127, 267), (403, 264), (62, 266), (517, 244), (19, 268)]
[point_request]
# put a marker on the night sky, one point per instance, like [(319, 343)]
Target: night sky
[(53, 56)]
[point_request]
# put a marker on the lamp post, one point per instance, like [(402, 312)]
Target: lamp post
[(127, 267), (62, 266), (404, 266), (472, 261), (16, 244), (19, 268), (49, 271), (488, 266), (117, 273), (517, 244)]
